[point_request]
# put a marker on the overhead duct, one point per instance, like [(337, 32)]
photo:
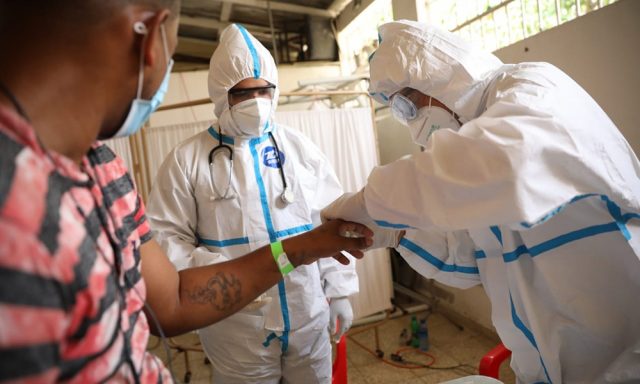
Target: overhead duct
[(322, 42)]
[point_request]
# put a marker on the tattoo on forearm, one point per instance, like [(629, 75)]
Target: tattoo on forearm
[(222, 291)]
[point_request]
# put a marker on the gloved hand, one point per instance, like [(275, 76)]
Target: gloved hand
[(340, 310), (351, 207)]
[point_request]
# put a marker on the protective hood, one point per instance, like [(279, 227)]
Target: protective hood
[(238, 56), (433, 61)]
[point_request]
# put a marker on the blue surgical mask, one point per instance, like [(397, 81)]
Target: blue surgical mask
[(141, 109)]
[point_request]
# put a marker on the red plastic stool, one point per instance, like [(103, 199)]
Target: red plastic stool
[(490, 363), (340, 363)]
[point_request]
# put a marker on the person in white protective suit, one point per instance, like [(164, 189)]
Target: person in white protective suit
[(263, 182), (524, 186)]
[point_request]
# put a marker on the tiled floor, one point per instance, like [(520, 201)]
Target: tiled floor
[(456, 352)]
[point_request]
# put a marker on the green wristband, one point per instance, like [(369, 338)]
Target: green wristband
[(282, 261)]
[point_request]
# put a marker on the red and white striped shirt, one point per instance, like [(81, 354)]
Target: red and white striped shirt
[(71, 291)]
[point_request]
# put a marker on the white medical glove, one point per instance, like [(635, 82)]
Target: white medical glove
[(351, 207), (340, 310)]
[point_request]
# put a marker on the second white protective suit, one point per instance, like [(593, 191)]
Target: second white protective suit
[(282, 336), (536, 197)]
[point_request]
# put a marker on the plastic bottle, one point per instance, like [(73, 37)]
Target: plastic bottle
[(423, 336), (414, 332), (404, 337)]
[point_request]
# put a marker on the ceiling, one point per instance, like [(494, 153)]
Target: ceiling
[(299, 30)]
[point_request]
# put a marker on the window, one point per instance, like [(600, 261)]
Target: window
[(493, 24), (360, 38)]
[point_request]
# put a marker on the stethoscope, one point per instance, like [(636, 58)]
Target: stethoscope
[(286, 196)]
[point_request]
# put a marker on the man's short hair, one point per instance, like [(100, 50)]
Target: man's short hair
[(71, 13)]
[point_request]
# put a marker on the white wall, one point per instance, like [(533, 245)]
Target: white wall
[(601, 52), (394, 139)]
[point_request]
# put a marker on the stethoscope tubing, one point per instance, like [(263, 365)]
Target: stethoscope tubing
[(286, 196)]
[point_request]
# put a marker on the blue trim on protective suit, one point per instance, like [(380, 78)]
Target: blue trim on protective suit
[(252, 49), (224, 243), (497, 233), (294, 230), (268, 128), (618, 225), (263, 192), (560, 241), (616, 213), (387, 224), (225, 139), (441, 265), (527, 333), (270, 337), (479, 254), (629, 216), (285, 316), (284, 339), (556, 210), (230, 139)]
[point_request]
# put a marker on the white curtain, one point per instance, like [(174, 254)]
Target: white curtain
[(122, 148), (161, 140), (346, 136)]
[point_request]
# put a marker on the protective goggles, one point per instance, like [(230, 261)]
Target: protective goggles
[(403, 109), (405, 104), (242, 94)]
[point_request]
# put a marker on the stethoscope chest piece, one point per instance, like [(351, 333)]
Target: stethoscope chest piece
[(287, 196)]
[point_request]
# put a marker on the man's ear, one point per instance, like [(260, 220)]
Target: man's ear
[(152, 44)]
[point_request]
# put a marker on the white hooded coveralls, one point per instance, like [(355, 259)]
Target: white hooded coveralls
[(284, 333), (536, 197)]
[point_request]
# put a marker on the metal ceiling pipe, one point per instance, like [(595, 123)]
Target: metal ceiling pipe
[(284, 7), (273, 34), (338, 5)]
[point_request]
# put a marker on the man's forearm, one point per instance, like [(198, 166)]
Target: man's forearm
[(211, 293), (197, 297)]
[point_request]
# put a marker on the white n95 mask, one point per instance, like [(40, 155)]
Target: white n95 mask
[(251, 117), (429, 120)]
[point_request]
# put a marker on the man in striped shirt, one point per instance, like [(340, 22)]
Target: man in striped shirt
[(77, 262)]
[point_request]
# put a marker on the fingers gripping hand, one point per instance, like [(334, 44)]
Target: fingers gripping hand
[(340, 317), (328, 240), (351, 206)]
